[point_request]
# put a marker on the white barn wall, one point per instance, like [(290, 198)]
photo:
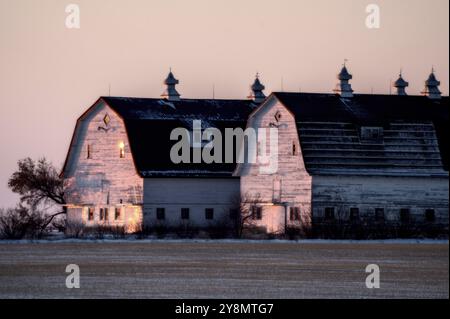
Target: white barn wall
[(105, 179), (197, 194), (390, 193), (291, 173)]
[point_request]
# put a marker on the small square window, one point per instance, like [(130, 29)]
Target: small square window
[(329, 213), (256, 213), (430, 216), (185, 213), (354, 214), (160, 213), (379, 214), (405, 215), (209, 213)]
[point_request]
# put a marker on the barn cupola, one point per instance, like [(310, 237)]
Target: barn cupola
[(432, 87), (401, 85), (171, 93), (344, 88), (257, 94)]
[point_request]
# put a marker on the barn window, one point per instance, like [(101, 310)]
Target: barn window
[(160, 213), (379, 214), (294, 149), (372, 135), (294, 213), (117, 213), (278, 116), (354, 214), (209, 213), (122, 150), (329, 213), (430, 215), (91, 213), (89, 151), (106, 119), (405, 215), (185, 213), (256, 213), (234, 213)]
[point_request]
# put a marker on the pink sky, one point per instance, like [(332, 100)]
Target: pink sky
[(50, 74)]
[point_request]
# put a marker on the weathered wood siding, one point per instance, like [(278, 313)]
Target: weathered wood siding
[(105, 179), (290, 186), (390, 193), (197, 194)]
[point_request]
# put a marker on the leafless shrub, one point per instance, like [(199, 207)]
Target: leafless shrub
[(60, 224), (22, 222), (118, 232), (12, 223), (244, 218), (74, 229), (186, 230), (221, 228)]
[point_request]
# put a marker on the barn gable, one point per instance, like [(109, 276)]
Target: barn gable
[(99, 167)]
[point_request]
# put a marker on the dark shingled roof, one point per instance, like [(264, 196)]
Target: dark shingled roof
[(414, 143), (149, 123), (415, 140)]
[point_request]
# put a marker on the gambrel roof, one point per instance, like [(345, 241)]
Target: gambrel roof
[(414, 139)]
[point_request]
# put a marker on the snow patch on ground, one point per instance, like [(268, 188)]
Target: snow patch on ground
[(229, 241)]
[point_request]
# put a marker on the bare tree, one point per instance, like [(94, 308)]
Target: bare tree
[(38, 183), (245, 217)]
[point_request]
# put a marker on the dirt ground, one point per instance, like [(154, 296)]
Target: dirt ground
[(224, 270)]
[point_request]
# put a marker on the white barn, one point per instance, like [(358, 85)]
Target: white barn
[(340, 155)]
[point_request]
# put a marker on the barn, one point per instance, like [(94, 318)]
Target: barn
[(340, 156)]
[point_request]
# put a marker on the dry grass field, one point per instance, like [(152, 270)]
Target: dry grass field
[(223, 270)]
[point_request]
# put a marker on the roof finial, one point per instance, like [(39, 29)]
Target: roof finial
[(431, 89), (257, 94), (171, 93), (344, 88), (401, 84)]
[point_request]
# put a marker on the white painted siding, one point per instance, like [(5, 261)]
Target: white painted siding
[(290, 186), (390, 193), (197, 194), (104, 179)]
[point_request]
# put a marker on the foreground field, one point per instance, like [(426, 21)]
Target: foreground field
[(224, 270)]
